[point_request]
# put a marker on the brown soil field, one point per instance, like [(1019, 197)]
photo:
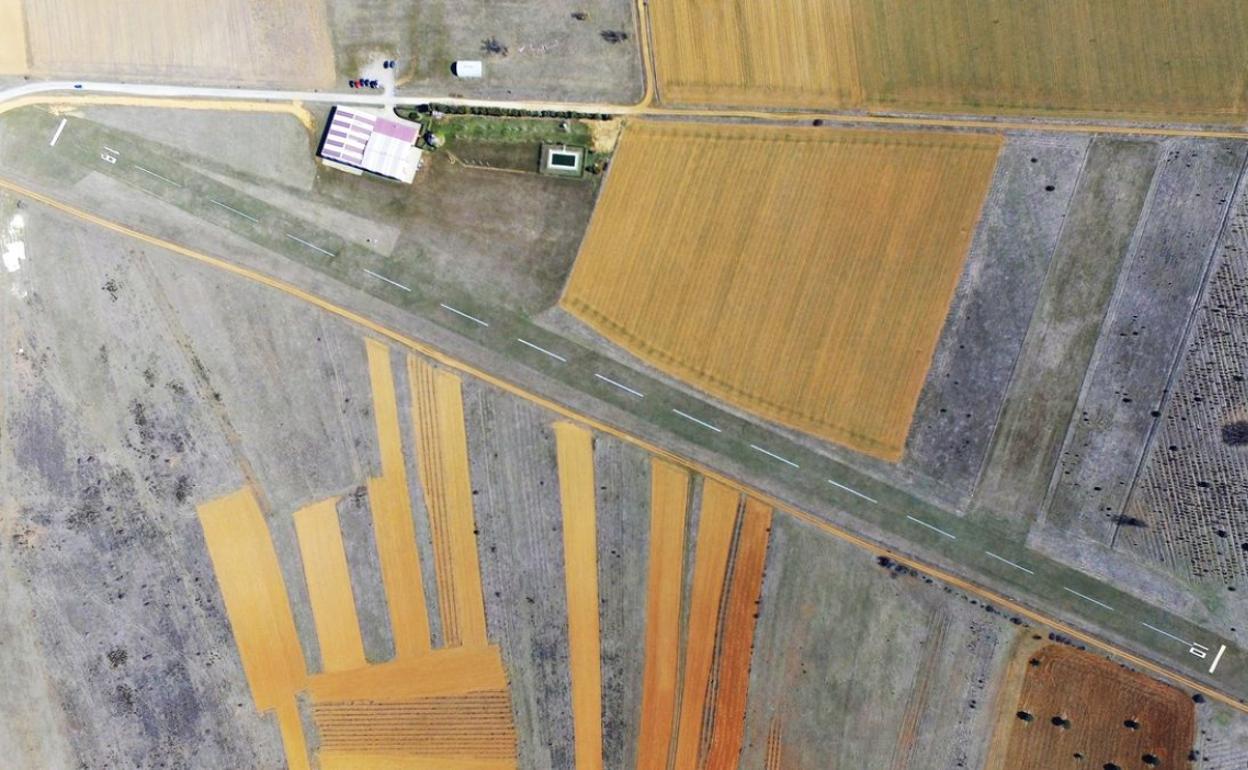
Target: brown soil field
[(281, 42), (1075, 709), (1117, 57), (819, 310), (12, 38)]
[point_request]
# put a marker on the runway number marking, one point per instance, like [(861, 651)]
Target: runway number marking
[(108, 158), (1199, 650)]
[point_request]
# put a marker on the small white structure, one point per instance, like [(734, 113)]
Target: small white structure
[(467, 68), (362, 139)]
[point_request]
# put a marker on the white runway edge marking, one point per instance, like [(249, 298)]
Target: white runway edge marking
[(758, 448), (242, 214), (931, 527), (381, 277), (1217, 658), (59, 129), (1166, 633), (461, 313), (1007, 561), (164, 179), (541, 349), (852, 491), (620, 385), (1088, 598), (310, 245), (703, 423)]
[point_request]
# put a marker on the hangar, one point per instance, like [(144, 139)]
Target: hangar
[(357, 140)]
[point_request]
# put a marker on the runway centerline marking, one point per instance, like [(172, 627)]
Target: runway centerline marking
[(1217, 658), (297, 239), (1166, 633), (1012, 564), (57, 135), (1088, 598), (932, 527), (472, 318), (620, 385), (164, 179), (852, 491), (379, 276), (543, 350), (703, 423), (231, 209), (769, 453)]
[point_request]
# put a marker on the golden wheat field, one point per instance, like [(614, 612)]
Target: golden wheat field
[(803, 275), (12, 38), (284, 42), (1117, 57)]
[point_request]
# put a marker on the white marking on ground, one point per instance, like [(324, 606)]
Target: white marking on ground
[(1097, 602), (387, 280), (758, 448), (703, 423), (14, 245), (111, 150), (620, 385), (309, 245), (1166, 633), (164, 179), (57, 135), (472, 318), (541, 349), (1217, 659), (229, 208), (852, 491), (932, 527), (1007, 561)]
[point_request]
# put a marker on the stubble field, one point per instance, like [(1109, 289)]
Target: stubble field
[(820, 310)]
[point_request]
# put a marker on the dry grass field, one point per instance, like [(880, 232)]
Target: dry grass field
[(282, 42), (12, 38), (1118, 57), (1063, 707), (818, 310)]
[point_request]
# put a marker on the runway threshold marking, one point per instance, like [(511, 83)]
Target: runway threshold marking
[(769, 453), (542, 350), (852, 491), (932, 527), (1097, 602), (461, 313), (703, 423), (620, 385), (233, 210), (1217, 659), (381, 277), (1012, 564), (57, 135), (806, 517), (297, 239)]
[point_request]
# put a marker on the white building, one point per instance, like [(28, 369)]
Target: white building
[(359, 139), (467, 68)]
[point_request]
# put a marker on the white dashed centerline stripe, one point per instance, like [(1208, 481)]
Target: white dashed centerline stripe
[(1166, 633), (233, 210), (541, 349), (932, 527), (164, 179), (1217, 659), (620, 385), (387, 280), (1007, 561), (852, 491), (297, 239), (59, 129), (462, 314), (110, 149), (758, 448), (1097, 602), (703, 423)]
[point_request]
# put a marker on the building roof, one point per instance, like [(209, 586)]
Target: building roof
[(382, 145)]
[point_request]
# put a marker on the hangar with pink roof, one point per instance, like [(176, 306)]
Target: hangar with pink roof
[(358, 140)]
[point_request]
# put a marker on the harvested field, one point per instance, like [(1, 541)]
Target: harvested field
[(476, 725), (1075, 709), (282, 43), (12, 38), (355, 760), (1127, 57), (391, 503), (575, 448), (820, 310), (329, 586), (669, 504), (440, 672), (442, 451)]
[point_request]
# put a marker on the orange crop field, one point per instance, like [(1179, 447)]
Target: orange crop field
[(669, 504), (476, 725), (391, 504), (1135, 58), (329, 586), (1072, 703), (442, 452), (575, 451), (819, 310)]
